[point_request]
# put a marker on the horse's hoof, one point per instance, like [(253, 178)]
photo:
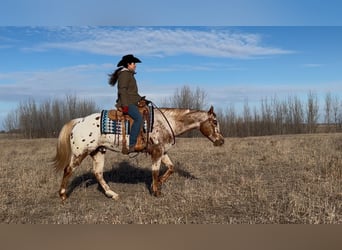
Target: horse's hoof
[(155, 190), (157, 193), (116, 197), (112, 195), (63, 197)]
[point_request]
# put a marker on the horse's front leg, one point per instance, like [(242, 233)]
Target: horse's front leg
[(170, 168), (98, 164), (156, 154)]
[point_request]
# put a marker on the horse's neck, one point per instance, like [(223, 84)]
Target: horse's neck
[(183, 120)]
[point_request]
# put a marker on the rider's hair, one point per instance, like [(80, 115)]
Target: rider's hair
[(113, 78)]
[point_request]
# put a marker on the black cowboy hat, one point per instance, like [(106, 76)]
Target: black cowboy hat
[(128, 59)]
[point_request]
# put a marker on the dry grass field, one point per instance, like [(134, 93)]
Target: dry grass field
[(275, 179)]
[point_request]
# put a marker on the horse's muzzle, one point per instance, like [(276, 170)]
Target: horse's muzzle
[(219, 142)]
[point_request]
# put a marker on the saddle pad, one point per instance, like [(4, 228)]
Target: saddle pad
[(109, 126)]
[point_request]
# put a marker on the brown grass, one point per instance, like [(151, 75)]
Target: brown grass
[(276, 179)]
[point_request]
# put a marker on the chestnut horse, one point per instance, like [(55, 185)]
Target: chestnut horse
[(82, 137)]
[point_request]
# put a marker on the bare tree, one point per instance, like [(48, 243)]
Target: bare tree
[(187, 98), (58, 116), (27, 117), (231, 121), (339, 116), (335, 108), (70, 106), (298, 115), (328, 110), (199, 99), (312, 113), (266, 117), (247, 119), (11, 123), (46, 119), (257, 124), (221, 116)]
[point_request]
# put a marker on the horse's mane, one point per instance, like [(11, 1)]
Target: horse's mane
[(183, 114)]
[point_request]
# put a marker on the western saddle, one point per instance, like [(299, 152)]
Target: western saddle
[(143, 137)]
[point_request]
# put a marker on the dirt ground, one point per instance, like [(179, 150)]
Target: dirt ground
[(273, 179)]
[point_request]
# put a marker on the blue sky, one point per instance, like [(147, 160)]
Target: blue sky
[(176, 12), (233, 50)]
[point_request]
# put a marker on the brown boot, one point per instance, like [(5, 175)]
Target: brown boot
[(139, 147), (136, 148)]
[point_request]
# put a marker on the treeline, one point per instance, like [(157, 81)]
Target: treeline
[(44, 120), (288, 116), (273, 116)]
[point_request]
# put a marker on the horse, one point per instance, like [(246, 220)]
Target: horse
[(81, 137)]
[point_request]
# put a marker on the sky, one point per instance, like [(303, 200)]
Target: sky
[(235, 51)]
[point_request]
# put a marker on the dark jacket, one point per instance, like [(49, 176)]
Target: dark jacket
[(127, 88)]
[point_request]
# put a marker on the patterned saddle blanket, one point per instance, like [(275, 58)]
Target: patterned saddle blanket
[(111, 126)]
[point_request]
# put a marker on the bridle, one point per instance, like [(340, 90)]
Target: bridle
[(213, 124)]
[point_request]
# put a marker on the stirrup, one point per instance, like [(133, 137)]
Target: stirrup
[(125, 150), (131, 149)]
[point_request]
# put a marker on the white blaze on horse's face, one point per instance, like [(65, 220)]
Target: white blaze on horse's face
[(211, 129)]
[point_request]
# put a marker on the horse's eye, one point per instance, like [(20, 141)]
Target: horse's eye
[(215, 122)]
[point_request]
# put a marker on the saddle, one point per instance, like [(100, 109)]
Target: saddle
[(125, 120)]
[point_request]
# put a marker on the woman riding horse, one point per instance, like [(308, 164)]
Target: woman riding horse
[(128, 96)]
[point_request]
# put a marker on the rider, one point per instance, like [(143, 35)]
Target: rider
[(128, 96)]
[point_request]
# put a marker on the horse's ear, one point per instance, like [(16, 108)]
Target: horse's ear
[(211, 110)]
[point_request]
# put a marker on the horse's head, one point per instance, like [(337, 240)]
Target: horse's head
[(211, 128)]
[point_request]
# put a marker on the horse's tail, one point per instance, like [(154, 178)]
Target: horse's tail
[(63, 152)]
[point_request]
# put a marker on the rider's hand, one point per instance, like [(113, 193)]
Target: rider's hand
[(125, 110), (145, 100)]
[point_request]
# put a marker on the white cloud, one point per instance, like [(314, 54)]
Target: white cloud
[(90, 81), (312, 65), (160, 41), (82, 80)]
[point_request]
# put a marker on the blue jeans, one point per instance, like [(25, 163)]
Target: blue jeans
[(133, 111)]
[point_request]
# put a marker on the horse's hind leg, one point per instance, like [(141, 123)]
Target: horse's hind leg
[(66, 175), (98, 164), (74, 162), (170, 168)]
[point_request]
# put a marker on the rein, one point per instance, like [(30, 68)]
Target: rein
[(168, 123)]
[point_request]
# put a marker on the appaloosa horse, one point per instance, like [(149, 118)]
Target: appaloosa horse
[(82, 137)]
